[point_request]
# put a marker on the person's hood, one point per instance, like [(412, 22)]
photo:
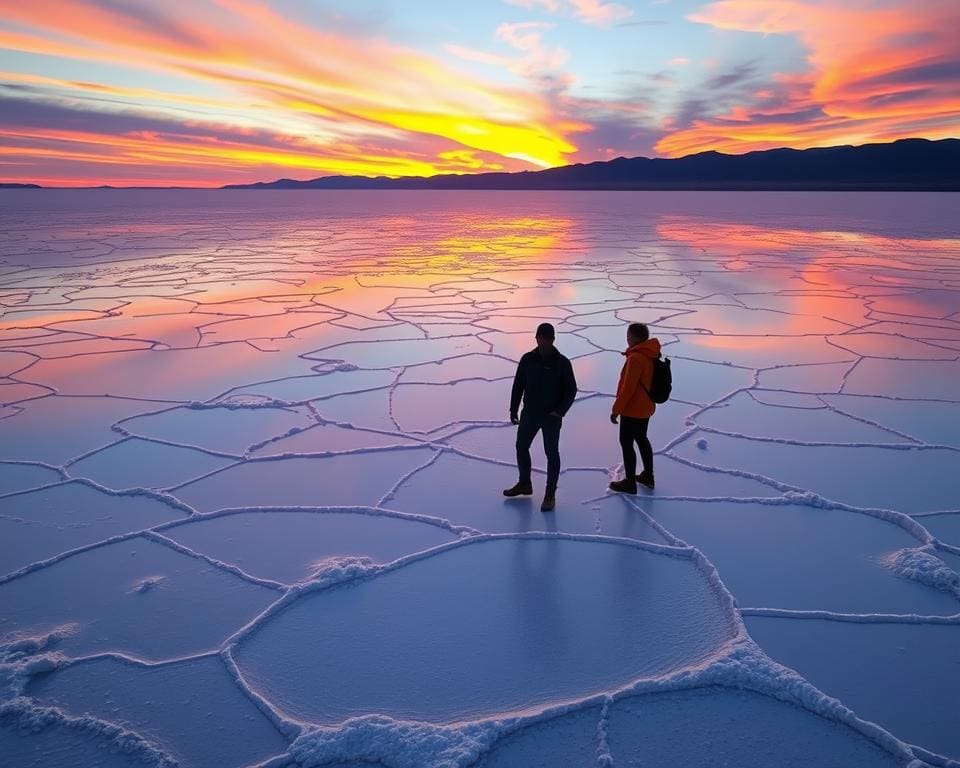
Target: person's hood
[(649, 348)]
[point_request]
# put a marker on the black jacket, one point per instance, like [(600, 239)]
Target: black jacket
[(546, 383)]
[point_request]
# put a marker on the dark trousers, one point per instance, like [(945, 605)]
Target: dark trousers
[(635, 431), (530, 424)]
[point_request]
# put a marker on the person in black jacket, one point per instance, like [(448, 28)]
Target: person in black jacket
[(546, 384)]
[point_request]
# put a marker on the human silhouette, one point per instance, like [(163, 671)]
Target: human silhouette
[(545, 383), (634, 407)]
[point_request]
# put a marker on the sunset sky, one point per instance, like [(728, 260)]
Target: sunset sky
[(208, 92)]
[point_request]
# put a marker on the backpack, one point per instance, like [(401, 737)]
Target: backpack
[(662, 383)]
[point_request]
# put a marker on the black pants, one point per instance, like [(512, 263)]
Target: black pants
[(530, 424), (635, 431)]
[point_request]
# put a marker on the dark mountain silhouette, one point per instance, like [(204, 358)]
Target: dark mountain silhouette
[(907, 164), (14, 185)]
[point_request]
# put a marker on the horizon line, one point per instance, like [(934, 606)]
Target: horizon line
[(716, 186)]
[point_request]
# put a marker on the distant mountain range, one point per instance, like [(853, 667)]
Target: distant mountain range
[(907, 164)]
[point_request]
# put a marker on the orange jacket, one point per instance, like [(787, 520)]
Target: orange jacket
[(635, 380)]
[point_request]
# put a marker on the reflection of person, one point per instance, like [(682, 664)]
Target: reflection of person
[(539, 617), (634, 407), (545, 382)]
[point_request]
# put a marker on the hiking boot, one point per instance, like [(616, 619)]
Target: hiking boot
[(627, 485), (520, 489), (549, 502), (645, 478)]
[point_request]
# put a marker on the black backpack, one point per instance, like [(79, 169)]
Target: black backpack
[(662, 383)]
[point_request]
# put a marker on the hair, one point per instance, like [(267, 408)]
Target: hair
[(639, 330), (545, 331)]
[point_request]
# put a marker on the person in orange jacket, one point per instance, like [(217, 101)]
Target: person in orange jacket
[(634, 407)]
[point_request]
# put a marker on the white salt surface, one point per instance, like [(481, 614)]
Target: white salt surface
[(136, 463), (553, 619), (193, 707), (945, 527), (252, 448), (308, 539), (736, 728), (20, 477), (903, 676), (58, 745)]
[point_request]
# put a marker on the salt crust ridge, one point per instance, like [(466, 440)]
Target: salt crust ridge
[(740, 665), (22, 657)]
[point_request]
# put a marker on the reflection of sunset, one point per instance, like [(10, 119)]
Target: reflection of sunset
[(528, 237), (831, 276), (733, 239)]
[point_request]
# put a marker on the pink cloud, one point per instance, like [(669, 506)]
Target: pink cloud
[(877, 71)]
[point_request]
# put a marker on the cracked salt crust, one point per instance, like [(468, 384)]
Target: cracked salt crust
[(278, 410)]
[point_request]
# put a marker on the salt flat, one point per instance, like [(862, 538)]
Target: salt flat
[(252, 447)]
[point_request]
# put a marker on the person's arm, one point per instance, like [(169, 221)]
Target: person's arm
[(569, 390), (516, 394), (631, 380)]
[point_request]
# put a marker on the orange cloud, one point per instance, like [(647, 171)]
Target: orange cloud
[(877, 72), (325, 89)]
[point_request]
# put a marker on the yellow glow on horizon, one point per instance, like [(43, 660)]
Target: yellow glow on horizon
[(530, 143), (340, 107)]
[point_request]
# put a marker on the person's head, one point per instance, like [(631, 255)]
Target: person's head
[(545, 336), (637, 333)]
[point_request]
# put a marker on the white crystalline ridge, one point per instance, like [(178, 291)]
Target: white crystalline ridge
[(413, 304), (410, 744), (23, 657), (922, 565)]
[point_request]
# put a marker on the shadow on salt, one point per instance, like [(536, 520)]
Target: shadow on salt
[(475, 500), (493, 626)]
